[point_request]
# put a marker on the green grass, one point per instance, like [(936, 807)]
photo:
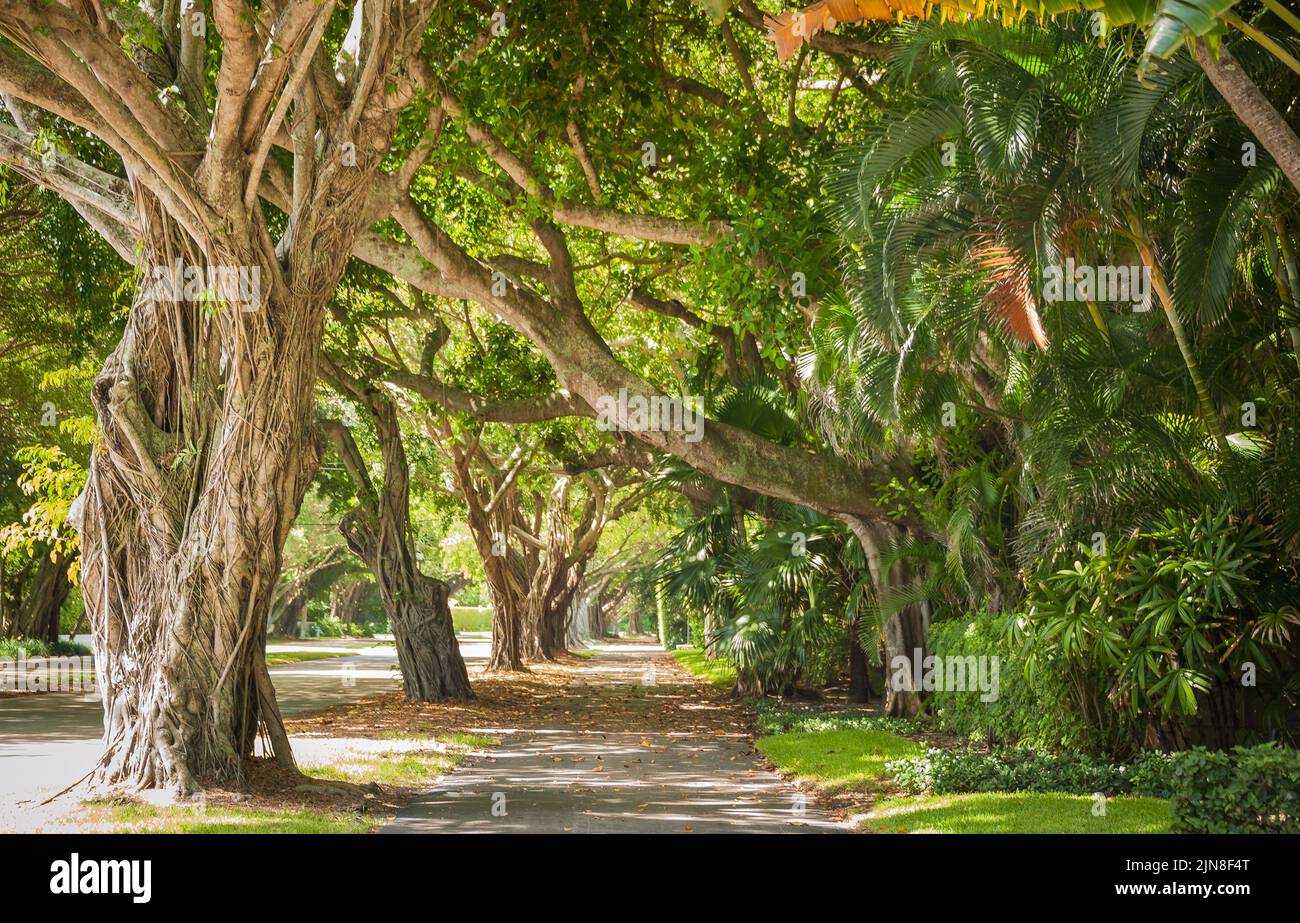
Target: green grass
[(472, 618), (405, 767), (274, 658), (853, 759), (1018, 812), (141, 818), (720, 672), (841, 760)]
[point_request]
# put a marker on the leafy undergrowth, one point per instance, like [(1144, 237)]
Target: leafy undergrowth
[(275, 658), (17, 648), (1019, 812), (847, 766), (720, 672)]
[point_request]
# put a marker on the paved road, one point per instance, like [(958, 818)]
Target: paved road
[(634, 747), (49, 740)]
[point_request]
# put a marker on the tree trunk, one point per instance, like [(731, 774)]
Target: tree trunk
[(504, 568), (859, 669), (903, 635), (420, 617), (507, 631), (710, 635), (206, 450), (206, 439), (1253, 108), (39, 616), (348, 597), (553, 582), (378, 530), (659, 615), (416, 606), (290, 614), (579, 625)]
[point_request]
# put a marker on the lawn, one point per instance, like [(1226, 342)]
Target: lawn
[(276, 658), (720, 672), (838, 761), (143, 818), (1018, 812), (472, 618), (853, 760)]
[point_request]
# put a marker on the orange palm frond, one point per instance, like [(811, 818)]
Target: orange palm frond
[(1010, 296)]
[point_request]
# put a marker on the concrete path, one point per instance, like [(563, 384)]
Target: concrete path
[(49, 740), (635, 746)]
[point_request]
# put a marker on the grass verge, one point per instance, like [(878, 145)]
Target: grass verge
[(1019, 812), (276, 658), (851, 762), (145, 818), (837, 761), (720, 672)]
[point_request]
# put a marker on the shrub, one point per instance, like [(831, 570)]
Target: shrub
[(773, 719), (1245, 790), (34, 647), (327, 627), (29, 647), (1160, 624), (1034, 711), (943, 772)]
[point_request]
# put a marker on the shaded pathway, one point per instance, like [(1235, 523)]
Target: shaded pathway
[(632, 745)]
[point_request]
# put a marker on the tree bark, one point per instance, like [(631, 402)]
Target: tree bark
[(504, 568), (553, 584), (206, 450), (379, 532), (206, 432), (661, 621), (38, 616), (1253, 108), (903, 635), (349, 596), (859, 669)]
